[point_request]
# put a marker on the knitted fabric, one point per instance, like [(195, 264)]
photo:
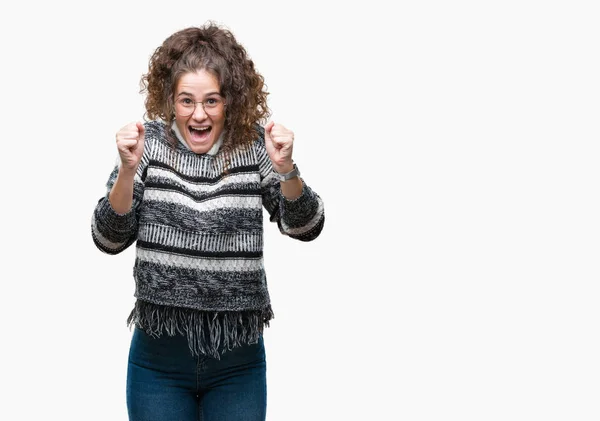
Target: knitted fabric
[(199, 239)]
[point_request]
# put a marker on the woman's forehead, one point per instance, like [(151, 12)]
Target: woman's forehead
[(199, 82)]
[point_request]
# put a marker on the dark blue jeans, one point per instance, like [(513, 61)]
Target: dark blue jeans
[(165, 382)]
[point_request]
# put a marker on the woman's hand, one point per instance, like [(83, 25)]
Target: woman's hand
[(130, 143), (279, 142)]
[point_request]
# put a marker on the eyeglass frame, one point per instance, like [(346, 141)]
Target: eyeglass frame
[(196, 105)]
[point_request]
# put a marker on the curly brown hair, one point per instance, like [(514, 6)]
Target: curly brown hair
[(214, 49)]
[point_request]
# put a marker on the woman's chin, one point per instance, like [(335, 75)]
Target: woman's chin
[(200, 146)]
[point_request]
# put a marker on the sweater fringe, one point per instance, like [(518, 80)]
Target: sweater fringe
[(209, 333)]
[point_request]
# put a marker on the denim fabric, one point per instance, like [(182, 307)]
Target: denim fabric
[(165, 382)]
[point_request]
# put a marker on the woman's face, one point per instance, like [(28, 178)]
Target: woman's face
[(200, 124)]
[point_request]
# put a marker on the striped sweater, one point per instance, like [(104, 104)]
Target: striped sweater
[(199, 239)]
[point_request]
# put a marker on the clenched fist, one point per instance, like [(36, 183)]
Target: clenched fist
[(280, 143), (130, 143)]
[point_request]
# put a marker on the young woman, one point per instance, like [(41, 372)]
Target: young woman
[(189, 190)]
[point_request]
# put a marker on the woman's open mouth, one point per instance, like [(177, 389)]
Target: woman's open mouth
[(200, 134)]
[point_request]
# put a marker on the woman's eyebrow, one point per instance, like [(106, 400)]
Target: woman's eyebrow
[(192, 95)]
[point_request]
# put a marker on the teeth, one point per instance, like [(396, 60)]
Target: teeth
[(200, 129)]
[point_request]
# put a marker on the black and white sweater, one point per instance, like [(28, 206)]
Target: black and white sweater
[(199, 230)]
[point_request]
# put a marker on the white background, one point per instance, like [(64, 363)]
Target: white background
[(455, 145)]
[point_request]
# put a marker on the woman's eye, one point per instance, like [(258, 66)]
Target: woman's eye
[(212, 101), (186, 101)]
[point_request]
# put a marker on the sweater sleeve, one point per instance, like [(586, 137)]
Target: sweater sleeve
[(302, 218), (113, 232)]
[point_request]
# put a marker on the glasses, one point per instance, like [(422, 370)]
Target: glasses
[(212, 106)]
